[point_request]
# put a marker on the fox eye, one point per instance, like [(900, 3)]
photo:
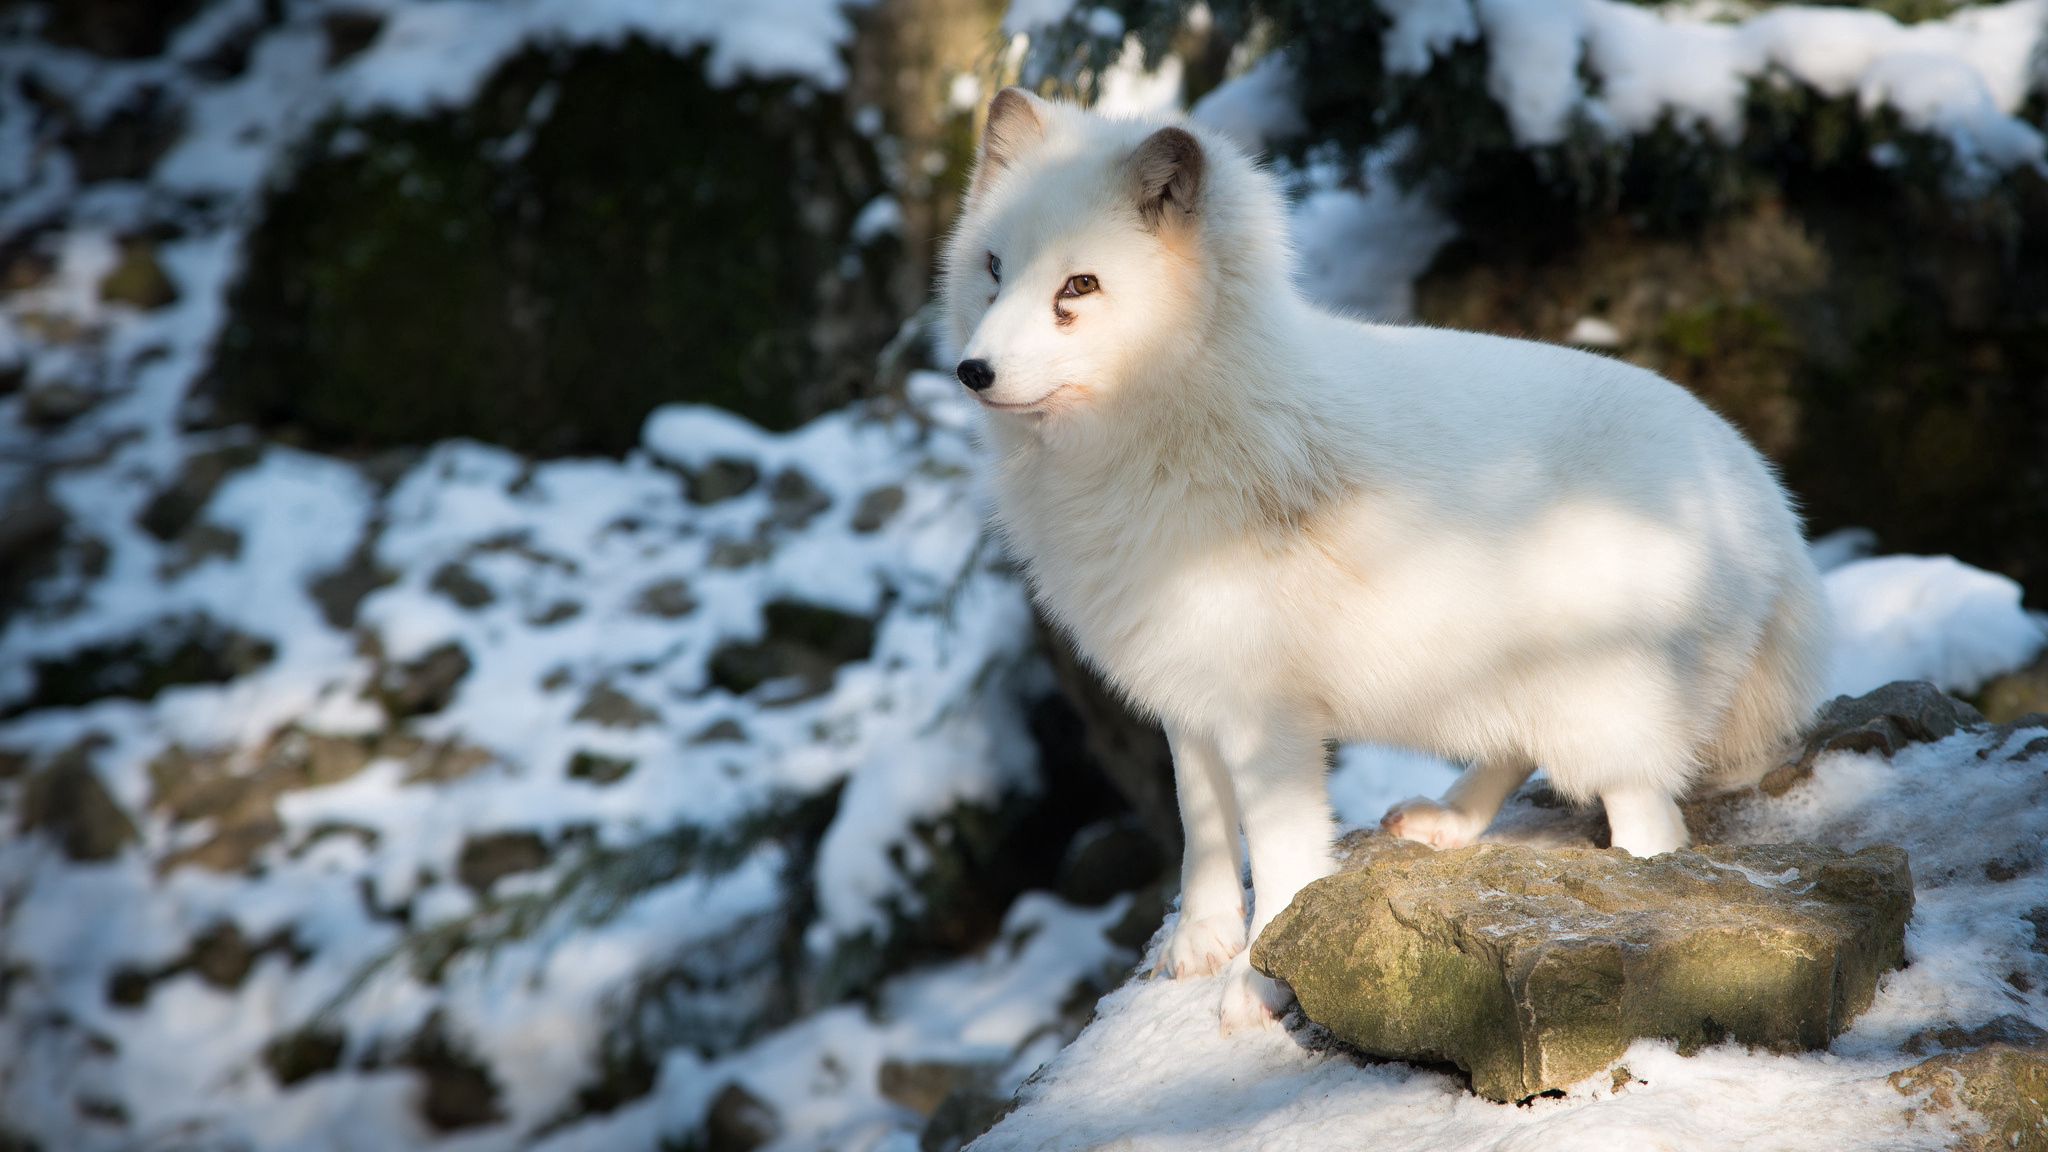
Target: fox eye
[(995, 267), (1079, 286)]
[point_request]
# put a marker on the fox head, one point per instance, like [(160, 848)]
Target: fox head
[(1086, 261)]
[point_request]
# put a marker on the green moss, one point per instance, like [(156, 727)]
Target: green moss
[(600, 232)]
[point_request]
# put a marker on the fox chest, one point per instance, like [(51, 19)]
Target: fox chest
[(1177, 630)]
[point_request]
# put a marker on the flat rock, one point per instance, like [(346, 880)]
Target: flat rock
[(1534, 968)]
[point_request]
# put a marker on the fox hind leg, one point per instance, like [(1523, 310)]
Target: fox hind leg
[(1467, 807)]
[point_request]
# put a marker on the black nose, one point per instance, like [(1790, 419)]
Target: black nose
[(976, 374)]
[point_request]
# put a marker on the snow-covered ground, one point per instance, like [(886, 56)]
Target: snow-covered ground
[(1153, 1071)]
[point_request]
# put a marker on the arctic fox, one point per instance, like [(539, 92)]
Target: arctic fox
[(1272, 527)]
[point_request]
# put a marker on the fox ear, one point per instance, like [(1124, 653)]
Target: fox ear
[(1167, 175), (1016, 124)]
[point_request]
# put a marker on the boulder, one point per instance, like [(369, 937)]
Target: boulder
[(1534, 968)]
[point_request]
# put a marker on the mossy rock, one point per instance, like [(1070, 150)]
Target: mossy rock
[(602, 231), (1533, 969)]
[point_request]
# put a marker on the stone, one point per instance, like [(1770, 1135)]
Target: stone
[(804, 643), (425, 685), (457, 1090), (1533, 969), (877, 507), (796, 500), (2015, 1030), (724, 730), (67, 801), (55, 404), (739, 1121), (299, 1055), (555, 613), (599, 768), (2005, 1085), (2016, 694), (349, 31), (1883, 720), (171, 651), (607, 707), (171, 512), (137, 280), (31, 538), (236, 792), (667, 599), (721, 478), (971, 1108), (919, 1085), (458, 583), (1107, 859), (487, 859), (221, 955), (341, 592)]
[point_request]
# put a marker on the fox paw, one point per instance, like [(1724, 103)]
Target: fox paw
[(1251, 999), (1431, 823), (1201, 947)]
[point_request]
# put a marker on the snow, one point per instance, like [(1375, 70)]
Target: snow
[(1926, 618), (1255, 108), (1593, 332), (436, 54), (1030, 15), (1128, 87), (1962, 77), (1360, 252), (1153, 1071)]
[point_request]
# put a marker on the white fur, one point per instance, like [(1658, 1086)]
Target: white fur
[(1272, 527)]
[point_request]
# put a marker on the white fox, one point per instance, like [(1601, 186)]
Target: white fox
[(1272, 527)]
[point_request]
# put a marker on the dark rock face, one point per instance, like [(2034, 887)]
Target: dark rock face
[(1881, 342), (602, 231), (1533, 969)]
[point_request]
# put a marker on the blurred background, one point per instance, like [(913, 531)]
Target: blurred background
[(499, 647)]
